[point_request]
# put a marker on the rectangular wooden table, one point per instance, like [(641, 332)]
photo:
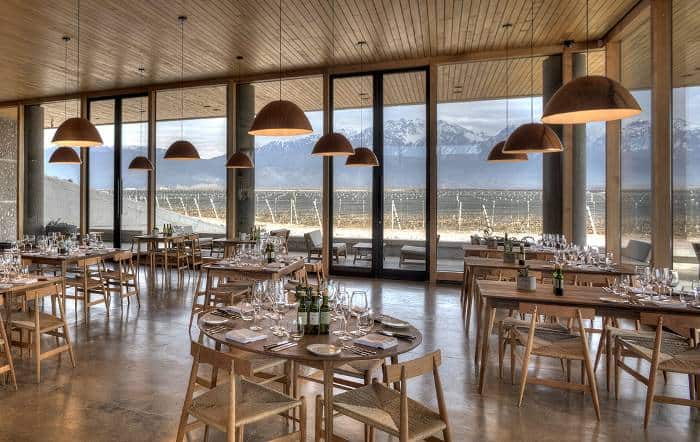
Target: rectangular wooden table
[(231, 245), (152, 242), (505, 295), (481, 250), (14, 290)]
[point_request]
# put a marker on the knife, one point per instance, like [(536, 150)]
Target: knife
[(397, 335), (284, 346), (276, 344)]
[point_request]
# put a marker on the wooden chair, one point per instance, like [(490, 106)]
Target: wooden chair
[(122, 278), (38, 323), (314, 247), (7, 366), (553, 341), (391, 410), (664, 351), (194, 254), (227, 293), (230, 406), (299, 277), (86, 282), (174, 257), (284, 234)]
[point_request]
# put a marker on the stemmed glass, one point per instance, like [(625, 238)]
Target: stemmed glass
[(359, 307), (257, 306)]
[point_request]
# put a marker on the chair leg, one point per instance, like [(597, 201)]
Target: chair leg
[(512, 361), (590, 373), (618, 360), (37, 344), (651, 384), (523, 375), (501, 350), (318, 418)]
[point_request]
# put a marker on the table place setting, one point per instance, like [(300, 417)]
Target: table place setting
[(658, 288)]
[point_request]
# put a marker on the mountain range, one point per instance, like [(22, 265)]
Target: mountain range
[(286, 162)]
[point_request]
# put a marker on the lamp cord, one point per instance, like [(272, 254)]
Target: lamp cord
[(587, 37), (182, 76), (66, 39), (361, 92), (532, 38), (77, 75), (507, 26), (280, 51)]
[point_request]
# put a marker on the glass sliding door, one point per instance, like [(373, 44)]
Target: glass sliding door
[(134, 183), (101, 171), (117, 202), (352, 211), (378, 214), (404, 175)]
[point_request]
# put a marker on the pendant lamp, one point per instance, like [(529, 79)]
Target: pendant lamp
[(182, 149), (65, 155), (76, 131), (280, 118), (334, 143), (239, 160), (140, 163), (496, 155), (590, 98), (362, 156), (532, 137)]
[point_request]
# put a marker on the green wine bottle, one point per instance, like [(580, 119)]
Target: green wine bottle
[(558, 281), (302, 310), (325, 316), (314, 316)]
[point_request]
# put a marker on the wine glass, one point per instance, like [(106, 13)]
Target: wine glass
[(358, 307), (257, 306)]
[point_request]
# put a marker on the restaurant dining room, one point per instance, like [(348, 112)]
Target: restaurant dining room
[(350, 220)]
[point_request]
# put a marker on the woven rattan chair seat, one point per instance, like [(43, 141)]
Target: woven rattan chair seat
[(676, 353), (253, 402), (259, 362), (551, 341), (379, 406), (25, 320), (359, 368)]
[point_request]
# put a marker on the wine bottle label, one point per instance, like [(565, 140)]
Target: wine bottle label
[(314, 318), (325, 317)]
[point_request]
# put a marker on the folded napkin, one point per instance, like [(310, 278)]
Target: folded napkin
[(244, 335), (274, 265), (377, 341)]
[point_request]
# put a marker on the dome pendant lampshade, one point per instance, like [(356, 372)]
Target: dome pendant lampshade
[(498, 156), (532, 138), (140, 163), (590, 98), (332, 144), (363, 157), (77, 132), (280, 118), (239, 160), (65, 155), (181, 150)]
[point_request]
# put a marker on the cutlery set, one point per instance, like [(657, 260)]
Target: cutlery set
[(361, 351)]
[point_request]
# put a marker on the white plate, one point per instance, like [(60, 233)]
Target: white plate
[(213, 320), (324, 349), (394, 323)]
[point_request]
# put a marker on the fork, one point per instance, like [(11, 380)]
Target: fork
[(217, 329), (360, 351)]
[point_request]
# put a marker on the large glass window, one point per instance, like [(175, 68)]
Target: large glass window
[(686, 140), (8, 172), (595, 167), (192, 194), (101, 170), (134, 216), (472, 193), (288, 179), (61, 182), (635, 141)]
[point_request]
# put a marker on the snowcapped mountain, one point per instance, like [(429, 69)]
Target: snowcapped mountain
[(284, 163)]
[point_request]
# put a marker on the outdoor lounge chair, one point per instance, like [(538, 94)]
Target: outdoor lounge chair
[(636, 252), (314, 246), (413, 253)]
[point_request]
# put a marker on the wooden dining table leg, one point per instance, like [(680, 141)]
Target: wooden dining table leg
[(328, 399), (485, 344)]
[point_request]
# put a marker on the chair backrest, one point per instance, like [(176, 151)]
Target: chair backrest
[(673, 321), (637, 250), (282, 233), (313, 239), (559, 311), (49, 290), (220, 360), (87, 262), (413, 368)]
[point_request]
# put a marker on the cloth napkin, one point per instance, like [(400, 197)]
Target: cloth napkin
[(244, 335), (377, 341), (238, 309)]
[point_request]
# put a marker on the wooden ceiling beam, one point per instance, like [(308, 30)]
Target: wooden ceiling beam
[(630, 21)]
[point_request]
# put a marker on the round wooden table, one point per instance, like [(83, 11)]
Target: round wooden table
[(299, 354)]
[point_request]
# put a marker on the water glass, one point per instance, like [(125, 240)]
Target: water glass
[(365, 322), (295, 329)]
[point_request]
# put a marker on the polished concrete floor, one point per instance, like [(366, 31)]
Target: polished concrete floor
[(133, 367)]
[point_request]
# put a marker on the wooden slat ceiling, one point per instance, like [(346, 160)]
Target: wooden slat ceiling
[(459, 82), (118, 36)]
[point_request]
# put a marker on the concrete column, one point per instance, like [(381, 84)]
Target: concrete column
[(552, 162), (34, 170), (579, 214), (245, 178)]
